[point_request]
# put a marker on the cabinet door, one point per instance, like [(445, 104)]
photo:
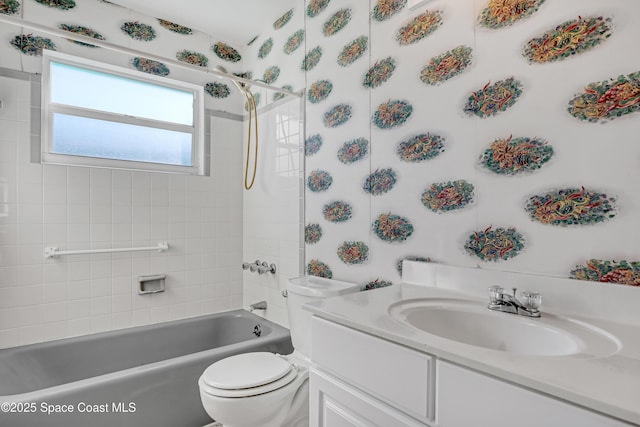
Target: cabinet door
[(467, 398), (396, 375), (335, 404)]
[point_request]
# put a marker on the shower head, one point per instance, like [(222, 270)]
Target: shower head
[(244, 76), (242, 87)]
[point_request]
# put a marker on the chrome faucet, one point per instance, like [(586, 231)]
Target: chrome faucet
[(508, 303), (252, 267), (261, 305), (260, 266)]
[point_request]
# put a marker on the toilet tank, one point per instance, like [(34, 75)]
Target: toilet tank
[(304, 289)]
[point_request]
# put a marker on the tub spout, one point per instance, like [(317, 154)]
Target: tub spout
[(262, 305)]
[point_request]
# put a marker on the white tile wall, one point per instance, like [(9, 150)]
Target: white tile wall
[(79, 208), (272, 210)]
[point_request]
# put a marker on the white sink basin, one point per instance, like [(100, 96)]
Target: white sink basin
[(471, 323)]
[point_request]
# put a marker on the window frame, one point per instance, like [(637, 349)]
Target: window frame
[(49, 109)]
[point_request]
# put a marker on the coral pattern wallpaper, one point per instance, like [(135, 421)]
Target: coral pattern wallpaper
[(109, 22), (493, 133), (472, 133)]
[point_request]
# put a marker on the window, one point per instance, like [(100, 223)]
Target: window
[(100, 115)]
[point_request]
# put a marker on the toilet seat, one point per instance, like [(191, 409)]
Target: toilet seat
[(247, 374)]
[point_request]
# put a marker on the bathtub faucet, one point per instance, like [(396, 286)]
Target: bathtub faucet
[(251, 266), (260, 266), (262, 305)]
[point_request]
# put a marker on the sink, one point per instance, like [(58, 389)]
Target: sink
[(470, 322)]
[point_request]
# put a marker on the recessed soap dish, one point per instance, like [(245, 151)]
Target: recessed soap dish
[(151, 284)]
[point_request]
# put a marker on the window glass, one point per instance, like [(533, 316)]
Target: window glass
[(119, 141), (86, 88), (96, 114)]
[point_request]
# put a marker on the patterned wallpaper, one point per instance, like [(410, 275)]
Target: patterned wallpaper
[(276, 57), (469, 132), (107, 21), (499, 134)]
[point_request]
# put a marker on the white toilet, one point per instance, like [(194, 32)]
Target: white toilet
[(265, 389)]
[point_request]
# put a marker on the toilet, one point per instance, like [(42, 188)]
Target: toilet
[(266, 389)]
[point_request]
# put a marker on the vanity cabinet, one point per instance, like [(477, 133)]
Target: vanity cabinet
[(399, 376), (336, 404), (468, 398), (357, 379)]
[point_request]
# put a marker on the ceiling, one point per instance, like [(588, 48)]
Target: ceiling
[(232, 20)]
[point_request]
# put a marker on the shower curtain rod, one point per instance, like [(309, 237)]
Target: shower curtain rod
[(19, 22)]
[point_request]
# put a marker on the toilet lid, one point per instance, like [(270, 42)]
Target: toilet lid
[(245, 371), (248, 392)]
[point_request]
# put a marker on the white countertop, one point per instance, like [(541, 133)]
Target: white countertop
[(610, 384)]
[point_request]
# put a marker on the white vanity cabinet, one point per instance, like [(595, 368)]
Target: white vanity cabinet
[(336, 404), (396, 375), (357, 379), (468, 398)]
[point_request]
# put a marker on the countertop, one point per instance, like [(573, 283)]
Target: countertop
[(609, 384)]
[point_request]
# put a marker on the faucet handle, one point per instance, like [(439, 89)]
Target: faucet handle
[(531, 300), (495, 294)]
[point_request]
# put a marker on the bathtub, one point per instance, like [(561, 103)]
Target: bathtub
[(136, 377)]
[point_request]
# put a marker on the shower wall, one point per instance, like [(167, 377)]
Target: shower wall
[(273, 207), (80, 208)]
